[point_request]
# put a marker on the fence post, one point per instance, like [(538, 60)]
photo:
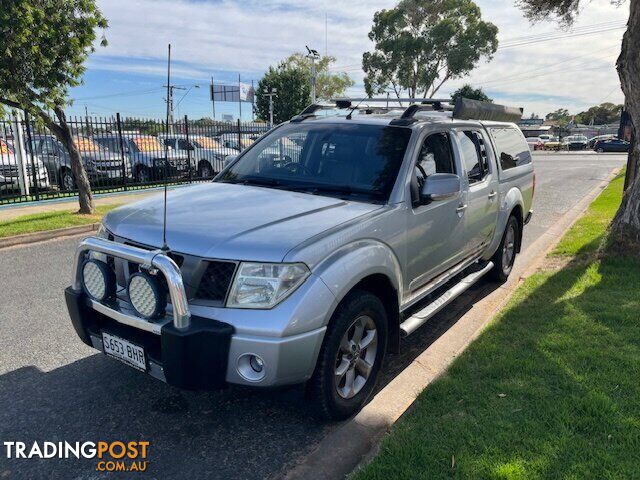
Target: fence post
[(20, 156), (239, 136), (186, 131), (122, 152), (27, 126)]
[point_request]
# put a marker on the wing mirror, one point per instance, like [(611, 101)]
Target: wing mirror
[(440, 186)]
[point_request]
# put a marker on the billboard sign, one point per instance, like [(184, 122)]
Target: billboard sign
[(242, 92)]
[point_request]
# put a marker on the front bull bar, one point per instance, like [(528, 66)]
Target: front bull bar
[(155, 259)]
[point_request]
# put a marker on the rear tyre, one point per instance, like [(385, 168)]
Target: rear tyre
[(350, 357), (67, 182), (205, 170), (143, 175), (505, 256)]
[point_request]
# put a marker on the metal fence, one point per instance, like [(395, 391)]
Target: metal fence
[(118, 154)]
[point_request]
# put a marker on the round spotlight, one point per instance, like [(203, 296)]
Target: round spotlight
[(147, 295), (98, 280)]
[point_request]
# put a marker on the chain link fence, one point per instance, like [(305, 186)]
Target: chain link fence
[(118, 154)]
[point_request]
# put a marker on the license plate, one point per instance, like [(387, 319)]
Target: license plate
[(124, 351)]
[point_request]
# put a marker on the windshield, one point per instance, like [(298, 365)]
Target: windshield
[(147, 144), (86, 145), (205, 142), (345, 160), (5, 148)]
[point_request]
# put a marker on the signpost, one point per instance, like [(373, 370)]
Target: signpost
[(242, 92)]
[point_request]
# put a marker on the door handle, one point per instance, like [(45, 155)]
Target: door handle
[(492, 195), (461, 208)]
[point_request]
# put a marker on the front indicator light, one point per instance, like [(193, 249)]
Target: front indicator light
[(264, 285)]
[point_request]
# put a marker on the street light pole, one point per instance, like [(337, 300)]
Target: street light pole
[(313, 55), (270, 94)]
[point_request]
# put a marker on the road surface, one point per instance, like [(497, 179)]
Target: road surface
[(54, 388)]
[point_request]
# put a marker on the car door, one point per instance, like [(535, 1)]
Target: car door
[(434, 227), (482, 203), (49, 154)]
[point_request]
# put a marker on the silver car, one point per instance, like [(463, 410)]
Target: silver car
[(307, 270)]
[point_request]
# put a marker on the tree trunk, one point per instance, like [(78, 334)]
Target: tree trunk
[(625, 229), (64, 134)]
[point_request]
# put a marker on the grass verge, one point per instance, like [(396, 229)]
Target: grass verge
[(550, 389), (39, 222)]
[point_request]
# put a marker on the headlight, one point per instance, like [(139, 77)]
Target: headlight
[(264, 285)]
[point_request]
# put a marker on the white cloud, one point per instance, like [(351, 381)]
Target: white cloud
[(248, 36)]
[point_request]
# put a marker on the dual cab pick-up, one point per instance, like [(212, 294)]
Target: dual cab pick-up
[(309, 265)]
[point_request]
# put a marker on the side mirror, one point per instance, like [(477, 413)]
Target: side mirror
[(440, 186), (229, 159)]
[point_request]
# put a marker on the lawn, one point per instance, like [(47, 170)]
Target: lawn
[(38, 222), (550, 390)]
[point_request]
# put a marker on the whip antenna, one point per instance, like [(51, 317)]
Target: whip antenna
[(165, 247)]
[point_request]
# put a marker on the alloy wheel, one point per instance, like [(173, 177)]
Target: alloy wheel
[(356, 357), (509, 248)]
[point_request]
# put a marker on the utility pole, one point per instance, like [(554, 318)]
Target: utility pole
[(213, 100), (271, 94), (313, 55)]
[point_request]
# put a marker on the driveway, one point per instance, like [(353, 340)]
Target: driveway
[(54, 388)]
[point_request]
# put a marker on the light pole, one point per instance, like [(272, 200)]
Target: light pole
[(271, 94), (313, 55)]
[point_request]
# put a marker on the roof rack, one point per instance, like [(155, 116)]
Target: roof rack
[(464, 108)]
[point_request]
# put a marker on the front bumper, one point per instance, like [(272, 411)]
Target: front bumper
[(185, 350)]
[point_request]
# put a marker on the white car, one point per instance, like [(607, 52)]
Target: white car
[(10, 170)]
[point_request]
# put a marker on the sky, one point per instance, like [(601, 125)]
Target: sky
[(540, 67)]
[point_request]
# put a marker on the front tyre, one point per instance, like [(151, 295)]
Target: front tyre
[(505, 256), (350, 357)]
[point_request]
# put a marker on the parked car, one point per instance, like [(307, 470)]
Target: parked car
[(207, 155), (611, 145), (102, 167), (230, 140), (592, 141), (310, 270), (554, 144), (10, 170), (147, 157), (575, 142), (546, 138), (535, 143)]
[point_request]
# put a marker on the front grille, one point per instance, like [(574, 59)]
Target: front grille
[(9, 170), (215, 281)]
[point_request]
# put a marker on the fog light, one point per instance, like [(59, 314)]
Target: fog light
[(256, 363), (98, 280), (251, 367), (147, 295)]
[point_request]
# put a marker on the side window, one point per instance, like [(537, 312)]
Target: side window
[(512, 150), (182, 144), (48, 147), (435, 157), (474, 155)]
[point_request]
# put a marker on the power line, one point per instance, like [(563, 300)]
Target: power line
[(120, 94)]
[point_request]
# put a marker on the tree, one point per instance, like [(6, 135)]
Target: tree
[(328, 85), (561, 115), (43, 47), (603, 114), (421, 44), (293, 92), (625, 228), (467, 91)]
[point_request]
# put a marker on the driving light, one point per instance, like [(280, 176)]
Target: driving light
[(146, 294), (98, 280), (264, 285)]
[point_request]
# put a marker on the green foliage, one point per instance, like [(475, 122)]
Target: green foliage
[(328, 85), (293, 93), (419, 45), (467, 91), (602, 114), (43, 47), (561, 115)]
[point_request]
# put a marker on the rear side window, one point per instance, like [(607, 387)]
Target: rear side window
[(474, 155), (512, 150)]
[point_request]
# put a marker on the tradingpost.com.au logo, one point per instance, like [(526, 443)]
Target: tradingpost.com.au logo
[(111, 456)]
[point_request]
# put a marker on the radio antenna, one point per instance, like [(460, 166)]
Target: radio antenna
[(165, 247)]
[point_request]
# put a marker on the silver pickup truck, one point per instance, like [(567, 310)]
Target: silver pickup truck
[(309, 270)]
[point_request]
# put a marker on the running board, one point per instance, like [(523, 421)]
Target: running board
[(416, 320)]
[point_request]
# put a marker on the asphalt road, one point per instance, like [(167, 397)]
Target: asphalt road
[(54, 388)]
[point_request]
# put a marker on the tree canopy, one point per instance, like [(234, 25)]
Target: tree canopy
[(43, 47), (328, 85), (467, 91), (292, 80), (420, 44)]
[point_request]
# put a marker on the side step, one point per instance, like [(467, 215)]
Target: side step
[(412, 323)]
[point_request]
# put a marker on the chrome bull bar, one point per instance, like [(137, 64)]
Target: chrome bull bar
[(155, 259)]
